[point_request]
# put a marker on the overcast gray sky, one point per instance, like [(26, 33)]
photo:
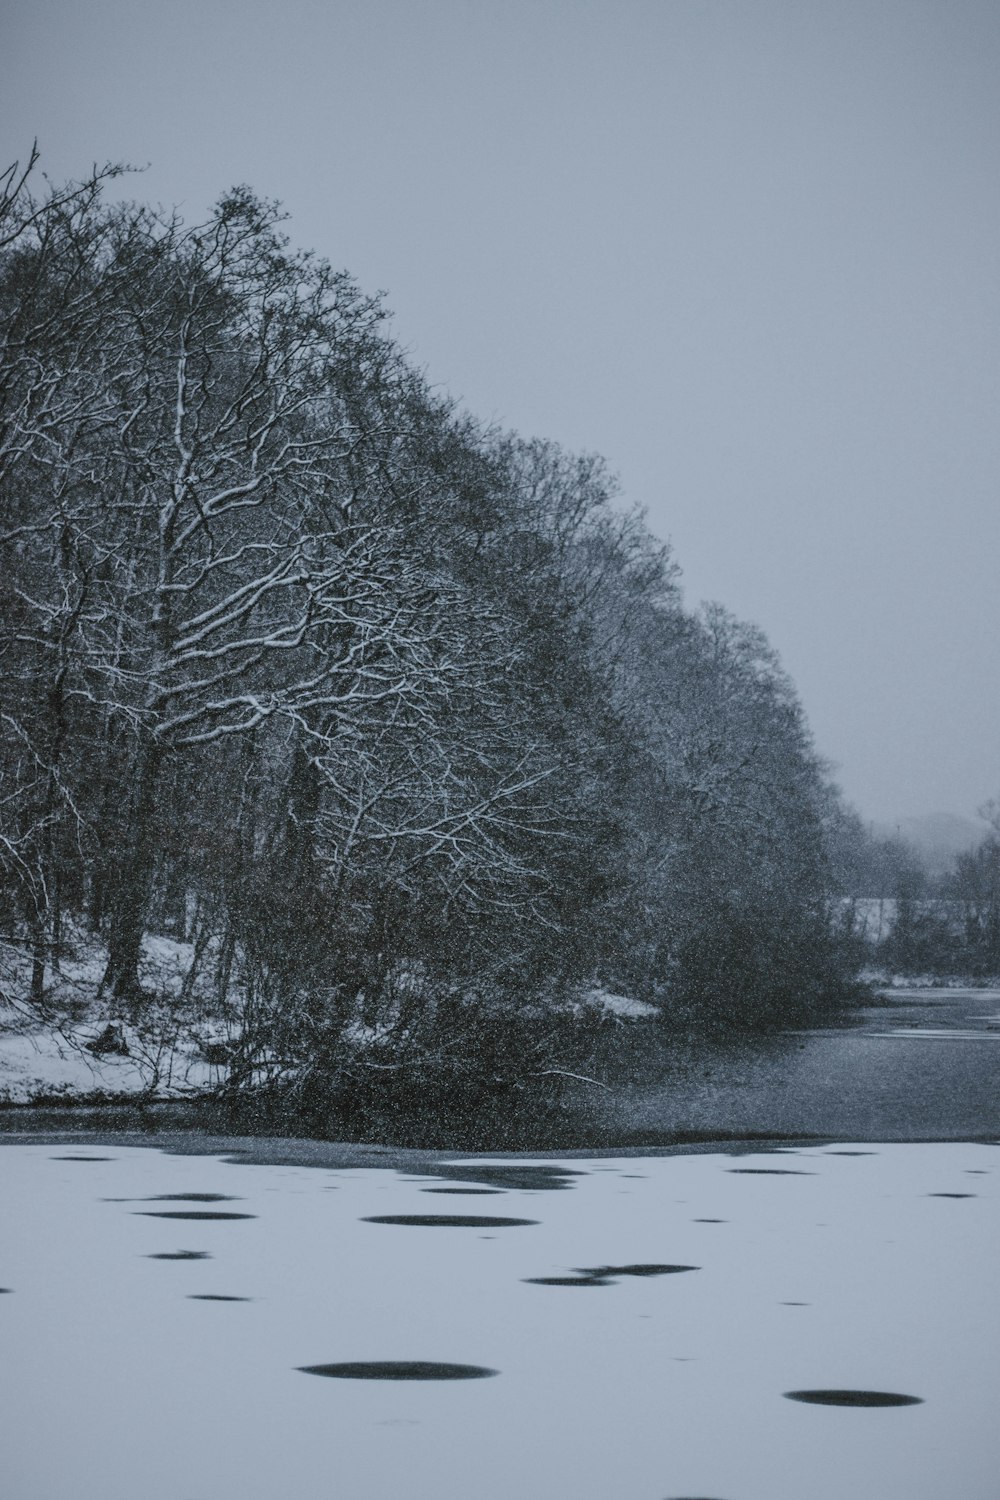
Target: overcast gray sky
[(747, 249)]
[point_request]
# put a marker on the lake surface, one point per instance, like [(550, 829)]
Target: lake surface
[(787, 1324), (917, 1065)]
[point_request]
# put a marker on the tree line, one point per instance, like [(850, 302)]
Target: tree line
[(399, 721), (943, 924)]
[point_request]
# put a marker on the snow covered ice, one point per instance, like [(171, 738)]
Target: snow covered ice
[(151, 1358)]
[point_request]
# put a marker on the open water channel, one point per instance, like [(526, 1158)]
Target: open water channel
[(920, 1064)]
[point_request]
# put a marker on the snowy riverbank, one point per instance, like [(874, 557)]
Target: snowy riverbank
[(75, 1047)]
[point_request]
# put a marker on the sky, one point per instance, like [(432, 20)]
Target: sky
[(749, 250)]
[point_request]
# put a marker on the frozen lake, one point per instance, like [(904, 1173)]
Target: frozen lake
[(641, 1327)]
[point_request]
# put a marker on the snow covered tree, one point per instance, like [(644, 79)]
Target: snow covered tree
[(380, 710)]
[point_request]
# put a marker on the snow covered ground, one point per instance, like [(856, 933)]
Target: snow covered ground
[(128, 1376), (57, 1063), (46, 1053)]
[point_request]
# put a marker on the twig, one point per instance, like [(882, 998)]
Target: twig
[(580, 1077)]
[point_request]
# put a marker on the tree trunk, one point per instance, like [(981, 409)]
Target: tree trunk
[(133, 886), (38, 947)]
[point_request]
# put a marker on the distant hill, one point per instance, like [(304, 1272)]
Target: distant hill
[(937, 837)]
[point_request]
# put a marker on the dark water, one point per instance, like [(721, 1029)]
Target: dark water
[(605, 1275), (447, 1221), (193, 1213), (466, 1192), (854, 1398), (505, 1176), (770, 1172), (216, 1297), (180, 1255), (567, 1281), (918, 1065), (83, 1158), (635, 1270), (179, 1198), (190, 1198), (399, 1369)]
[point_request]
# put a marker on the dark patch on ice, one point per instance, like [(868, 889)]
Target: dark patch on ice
[(180, 1255), (469, 1192), (952, 1195), (567, 1281), (216, 1297), (796, 1304), (976, 1172), (178, 1198), (399, 1369), (190, 1198), (709, 1221), (854, 1398), (447, 1221), (635, 1270), (5, 1289), (771, 1171), (527, 1178), (81, 1158), (850, 1153), (603, 1275), (188, 1213)]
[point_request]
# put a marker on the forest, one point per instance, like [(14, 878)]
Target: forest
[(916, 918), (397, 722)]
